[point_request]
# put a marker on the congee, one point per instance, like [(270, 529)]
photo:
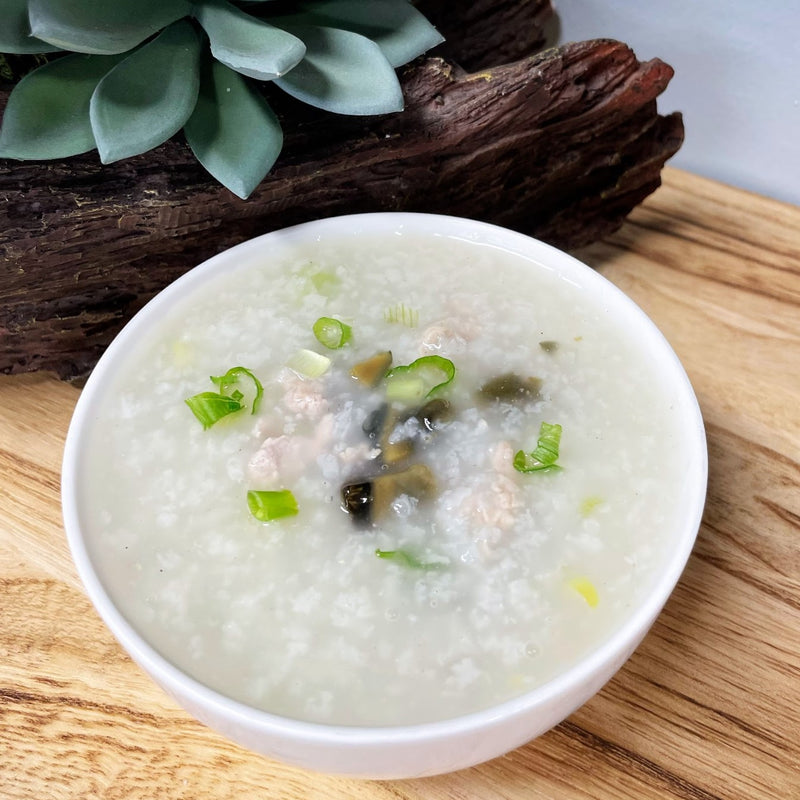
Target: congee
[(381, 480)]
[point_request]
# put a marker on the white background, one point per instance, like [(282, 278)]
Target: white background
[(737, 79)]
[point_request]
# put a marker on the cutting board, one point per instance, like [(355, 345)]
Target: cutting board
[(707, 708)]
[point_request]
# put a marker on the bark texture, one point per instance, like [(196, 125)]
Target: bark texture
[(561, 145)]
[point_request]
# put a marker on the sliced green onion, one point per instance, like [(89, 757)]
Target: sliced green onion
[(309, 364), (231, 378), (405, 389), (319, 281), (525, 462), (332, 333), (211, 407), (426, 375), (589, 504), (402, 315), (406, 559), (586, 589), (325, 283), (548, 443), (544, 457), (269, 506), (182, 353)]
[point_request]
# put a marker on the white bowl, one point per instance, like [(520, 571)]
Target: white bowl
[(409, 750)]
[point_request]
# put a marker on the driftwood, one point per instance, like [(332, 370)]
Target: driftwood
[(561, 146)]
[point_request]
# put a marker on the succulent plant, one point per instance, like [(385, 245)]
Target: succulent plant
[(126, 75)]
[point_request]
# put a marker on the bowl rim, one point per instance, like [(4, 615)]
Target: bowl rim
[(616, 648)]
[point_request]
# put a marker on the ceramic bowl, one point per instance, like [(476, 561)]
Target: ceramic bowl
[(432, 747)]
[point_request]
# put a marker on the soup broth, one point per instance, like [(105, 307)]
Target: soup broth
[(467, 582)]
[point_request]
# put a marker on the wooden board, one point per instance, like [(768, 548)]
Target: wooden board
[(709, 705)]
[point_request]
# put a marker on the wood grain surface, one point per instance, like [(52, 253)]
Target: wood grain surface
[(707, 708)]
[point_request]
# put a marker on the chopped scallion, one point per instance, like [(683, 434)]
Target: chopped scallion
[(211, 407), (544, 457), (586, 589), (182, 353), (332, 333), (320, 281), (405, 389), (590, 504), (272, 505), (406, 559), (420, 378), (227, 381), (309, 364), (402, 315)]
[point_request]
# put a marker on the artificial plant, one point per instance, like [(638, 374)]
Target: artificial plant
[(126, 75)]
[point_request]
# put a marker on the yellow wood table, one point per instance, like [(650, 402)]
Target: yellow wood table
[(709, 705)]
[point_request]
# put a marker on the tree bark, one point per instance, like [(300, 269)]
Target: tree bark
[(561, 146)]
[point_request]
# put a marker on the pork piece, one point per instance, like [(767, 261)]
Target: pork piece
[(493, 505), (449, 335), (502, 458), (303, 396), (282, 458)]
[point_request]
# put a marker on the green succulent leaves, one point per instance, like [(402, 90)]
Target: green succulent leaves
[(397, 28), (103, 27), (47, 115), (15, 32), (149, 96), (246, 44), (342, 72), (137, 74), (233, 133)]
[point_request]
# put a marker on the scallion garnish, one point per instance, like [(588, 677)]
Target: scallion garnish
[(405, 389), (406, 559), (402, 315), (231, 378), (544, 456), (211, 407), (420, 378), (586, 589), (320, 281), (309, 364), (271, 505), (590, 504), (332, 333)]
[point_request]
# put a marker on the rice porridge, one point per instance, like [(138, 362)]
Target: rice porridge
[(451, 487)]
